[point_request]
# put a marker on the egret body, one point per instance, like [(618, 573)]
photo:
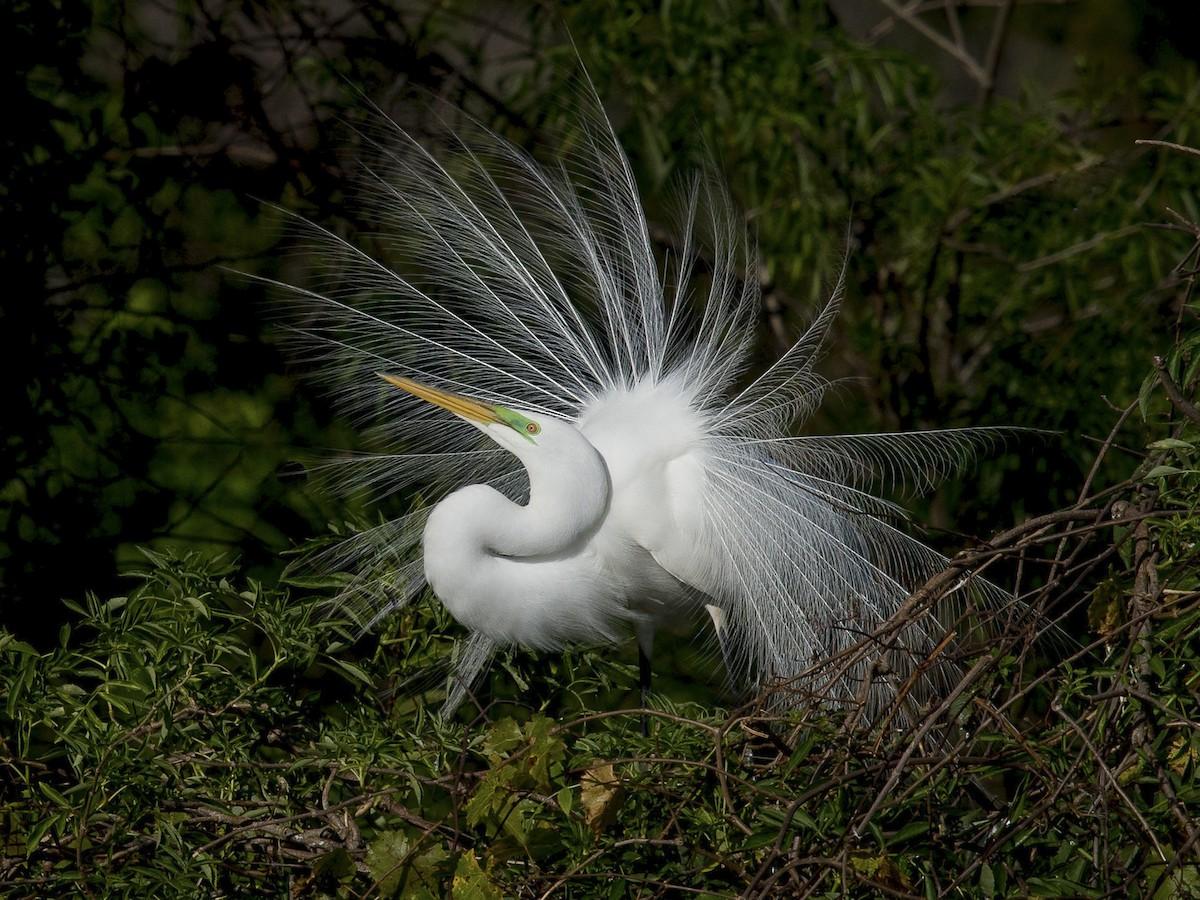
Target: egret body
[(608, 467)]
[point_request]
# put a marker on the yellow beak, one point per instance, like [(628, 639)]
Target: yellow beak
[(462, 406)]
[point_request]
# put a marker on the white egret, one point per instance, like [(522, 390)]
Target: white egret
[(607, 467)]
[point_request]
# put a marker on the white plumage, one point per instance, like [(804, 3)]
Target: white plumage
[(609, 467)]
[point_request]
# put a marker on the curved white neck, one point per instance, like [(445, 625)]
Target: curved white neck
[(476, 539), (568, 497)]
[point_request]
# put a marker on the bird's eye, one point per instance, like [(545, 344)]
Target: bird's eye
[(533, 428)]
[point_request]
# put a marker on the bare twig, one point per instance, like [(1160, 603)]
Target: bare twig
[(1180, 147)]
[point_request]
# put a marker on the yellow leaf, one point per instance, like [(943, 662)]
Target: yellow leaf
[(600, 795), (1105, 611), (471, 882), (881, 869), (1180, 754)]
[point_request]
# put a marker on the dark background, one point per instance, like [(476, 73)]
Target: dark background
[(1004, 266)]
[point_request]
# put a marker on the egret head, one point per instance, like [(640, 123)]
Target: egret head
[(522, 433)]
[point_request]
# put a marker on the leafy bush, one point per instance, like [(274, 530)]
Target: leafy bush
[(213, 736)]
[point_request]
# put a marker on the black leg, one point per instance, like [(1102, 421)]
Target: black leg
[(644, 682), (644, 674)]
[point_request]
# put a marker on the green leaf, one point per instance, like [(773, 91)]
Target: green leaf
[(353, 671), (40, 830), (1170, 443), (908, 832), (490, 794), (1164, 471), (565, 798), (332, 868), (8, 642), (546, 751), (502, 738), (53, 795), (386, 858), (987, 881)]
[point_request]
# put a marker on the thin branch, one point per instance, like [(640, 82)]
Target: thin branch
[(909, 16), (1174, 394), (1180, 147)]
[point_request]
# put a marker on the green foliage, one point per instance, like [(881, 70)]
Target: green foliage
[(202, 734)]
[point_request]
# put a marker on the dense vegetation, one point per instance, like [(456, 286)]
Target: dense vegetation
[(206, 735), (197, 728)]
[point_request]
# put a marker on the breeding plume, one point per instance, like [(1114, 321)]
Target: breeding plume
[(594, 457)]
